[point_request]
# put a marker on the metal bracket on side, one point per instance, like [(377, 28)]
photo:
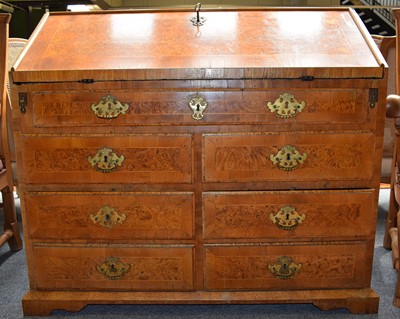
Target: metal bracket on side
[(22, 101), (373, 97), (197, 20)]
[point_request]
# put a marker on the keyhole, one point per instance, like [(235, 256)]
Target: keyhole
[(107, 217), (198, 107), (287, 216), (105, 158), (288, 156), (113, 269)]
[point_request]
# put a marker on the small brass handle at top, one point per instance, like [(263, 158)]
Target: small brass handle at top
[(112, 268), (286, 106), (287, 218), (198, 105), (106, 160), (288, 158), (109, 107), (284, 268)]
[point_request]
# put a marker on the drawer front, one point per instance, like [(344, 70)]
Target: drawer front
[(107, 159), (308, 156), (294, 215), (135, 107), (105, 216), (285, 267), (106, 268)]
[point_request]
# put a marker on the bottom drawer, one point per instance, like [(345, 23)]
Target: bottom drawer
[(114, 268), (275, 267)]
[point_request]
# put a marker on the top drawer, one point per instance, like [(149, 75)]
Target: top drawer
[(184, 107)]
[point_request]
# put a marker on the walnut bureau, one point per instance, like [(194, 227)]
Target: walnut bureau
[(238, 162)]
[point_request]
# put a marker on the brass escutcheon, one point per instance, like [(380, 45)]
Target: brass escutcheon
[(287, 218), (286, 106), (107, 217), (284, 268), (109, 107), (112, 268), (198, 105), (288, 158), (106, 160)]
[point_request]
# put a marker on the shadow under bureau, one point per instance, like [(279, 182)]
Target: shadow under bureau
[(237, 161)]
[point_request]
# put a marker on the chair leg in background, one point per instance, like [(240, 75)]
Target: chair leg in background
[(11, 228)]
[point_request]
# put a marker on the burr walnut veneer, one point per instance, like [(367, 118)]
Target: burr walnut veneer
[(233, 162)]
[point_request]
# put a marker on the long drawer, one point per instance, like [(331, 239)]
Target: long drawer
[(174, 107), (289, 215), (276, 267), (113, 268), (107, 159), (107, 216), (288, 156)]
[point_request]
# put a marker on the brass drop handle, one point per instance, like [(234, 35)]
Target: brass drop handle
[(107, 217), (284, 268), (198, 105), (288, 158), (105, 160), (287, 218), (286, 106), (112, 268), (109, 107)]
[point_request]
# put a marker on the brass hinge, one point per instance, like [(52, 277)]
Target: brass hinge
[(22, 101), (373, 97)]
